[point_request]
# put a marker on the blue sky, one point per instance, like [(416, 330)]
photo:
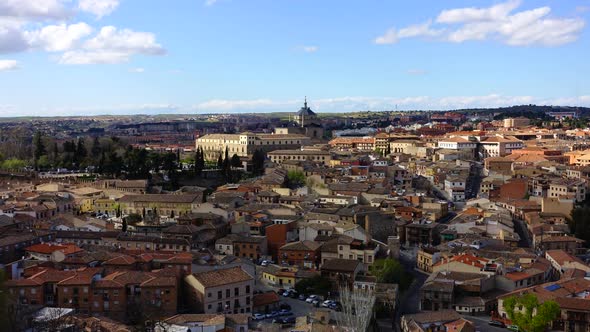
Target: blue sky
[(73, 57)]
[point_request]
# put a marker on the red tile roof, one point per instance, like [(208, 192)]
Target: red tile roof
[(265, 298)]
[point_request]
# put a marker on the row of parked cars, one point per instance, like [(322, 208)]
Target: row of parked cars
[(285, 313), (498, 323), (311, 299)]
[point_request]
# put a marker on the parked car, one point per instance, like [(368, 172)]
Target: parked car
[(285, 294), (258, 316), (497, 323), (277, 321), (285, 306), (327, 303), (272, 314), (311, 298), (513, 328), (284, 312), (264, 263), (336, 306), (289, 320), (302, 297), (281, 290)]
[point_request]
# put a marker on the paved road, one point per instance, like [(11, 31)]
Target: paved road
[(481, 324), (473, 181), (521, 230)]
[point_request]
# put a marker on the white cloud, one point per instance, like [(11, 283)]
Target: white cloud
[(463, 15), (310, 49), (138, 70), (392, 36), (416, 72), (99, 8), (12, 39), (111, 45), (499, 22), (389, 37), (419, 30), (56, 38), (221, 105), (6, 65), (356, 103), (92, 57), (125, 40), (34, 9), (210, 2)]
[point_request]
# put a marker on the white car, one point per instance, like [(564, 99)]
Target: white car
[(258, 317), (327, 303), (311, 298)]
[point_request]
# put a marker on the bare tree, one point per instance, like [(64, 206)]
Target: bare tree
[(52, 319), (357, 309)]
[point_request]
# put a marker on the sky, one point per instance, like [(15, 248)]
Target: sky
[(90, 57)]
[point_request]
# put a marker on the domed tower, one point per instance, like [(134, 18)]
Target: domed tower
[(306, 116)]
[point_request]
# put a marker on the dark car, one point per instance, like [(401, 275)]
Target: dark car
[(497, 323), (281, 290), (278, 321), (289, 320), (302, 297), (285, 306)]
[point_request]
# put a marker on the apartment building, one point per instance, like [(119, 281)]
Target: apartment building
[(86, 291), (455, 189), (568, 188), (220, 291), (499, 146), (318, 156), (346, 247), (360, 143), (160, 204)]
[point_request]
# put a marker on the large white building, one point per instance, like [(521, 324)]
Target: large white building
[(456, 143), (245, 144), (499, 146)]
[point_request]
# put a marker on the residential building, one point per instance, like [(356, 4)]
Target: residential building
[(318, 156), (220, 291)]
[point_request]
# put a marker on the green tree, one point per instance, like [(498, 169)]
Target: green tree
[(220, 162), (13, 164), (43, 163), (579, 223), (389, 270), (95, 149), (226, 166), (317, 285), (124, 226), (199, 161), (235, 161), (528, 314), (81, 152), (258, 159), (295, 179), (133, 219), (38, 148)]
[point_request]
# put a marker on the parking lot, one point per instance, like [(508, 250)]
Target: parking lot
[(299, 308)]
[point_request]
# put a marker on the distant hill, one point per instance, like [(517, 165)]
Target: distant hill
[(528, 111)]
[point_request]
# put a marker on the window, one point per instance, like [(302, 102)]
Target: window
[(219, 295), (227, 293), (248, 289), (237, 291)]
